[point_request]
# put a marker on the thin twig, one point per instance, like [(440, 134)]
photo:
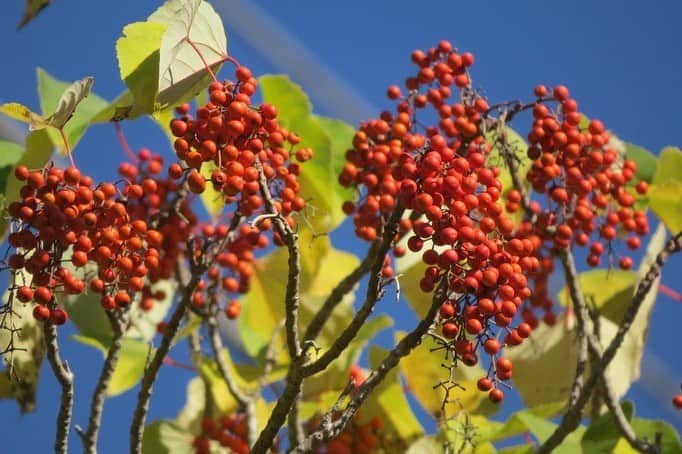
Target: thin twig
[(65, 378)]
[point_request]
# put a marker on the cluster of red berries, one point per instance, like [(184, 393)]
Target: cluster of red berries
[(230, 135), (441, 173), (228, 431), (358, 436), (589, 187), (62, 217)]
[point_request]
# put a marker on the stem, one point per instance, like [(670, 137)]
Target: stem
[(67, 147), (144, 396), (97, 403), (124, 143), (203, 60), (65, 378)]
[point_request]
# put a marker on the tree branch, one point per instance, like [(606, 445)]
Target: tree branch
[(64, 376), (571, 418), (89, 437)]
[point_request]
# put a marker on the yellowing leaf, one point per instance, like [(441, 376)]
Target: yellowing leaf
[(213, 200), (22, 113), (166, 437), (665, 191)]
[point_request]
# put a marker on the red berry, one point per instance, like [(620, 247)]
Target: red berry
[(41, 312)]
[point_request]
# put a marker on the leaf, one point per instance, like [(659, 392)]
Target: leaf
[(608, 290), (37, 153), (602, 435), (31, 10), (518, 144), (59, 99), (329, 140), (22, 113), (20, 382), (389, 403), (666, 187), (263, 308), (213, 200), (193, 26), (422, 371), (646, 161), (648, 428), (131, 362), (138, 61), (166, 437), (10, 153)]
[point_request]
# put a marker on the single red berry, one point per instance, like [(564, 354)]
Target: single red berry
[(496, 395), (41, 312), (677, 401)]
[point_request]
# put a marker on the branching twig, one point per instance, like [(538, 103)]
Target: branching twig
[(65, 378)]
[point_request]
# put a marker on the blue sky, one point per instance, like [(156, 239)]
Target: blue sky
[(620, 59)]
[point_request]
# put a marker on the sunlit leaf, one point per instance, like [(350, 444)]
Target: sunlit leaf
[(213, 199), (22, 113), (426, 445), (10, 154), (666, 187), (603, 434), (190, 416), (69, 100), (32, 9), (645, 160), (607, 290), (194, 37)]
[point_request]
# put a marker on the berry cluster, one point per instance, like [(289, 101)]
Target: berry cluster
[(441, 173), (69, 233), (589, 187), (231, 135), (357, 437), (229, 431)]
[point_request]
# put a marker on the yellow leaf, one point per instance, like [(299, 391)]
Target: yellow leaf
[(22, 113)]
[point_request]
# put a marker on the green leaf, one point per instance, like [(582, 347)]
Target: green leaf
[(166, 437), (131, 362), (31, 10), (19, 378), (329, 140), (389, 403), (192, 26), (602, 435), (645, 160), (22, 113), (263, 308), (58, 101), (10, 153), (518, 144), (647, 430), (666, 187), (422, 371), (610, 291), (138, 61)]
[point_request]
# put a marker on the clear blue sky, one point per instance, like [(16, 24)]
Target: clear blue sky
[(621, 60)]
